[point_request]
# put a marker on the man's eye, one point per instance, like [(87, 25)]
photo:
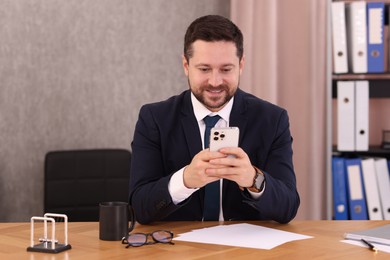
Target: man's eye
[(204, 69), (226, 70)]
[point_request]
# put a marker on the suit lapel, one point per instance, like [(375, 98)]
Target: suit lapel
[(190, 126), (192, 135), (238, 115)]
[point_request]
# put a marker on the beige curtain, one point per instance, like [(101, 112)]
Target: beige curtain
[(285, 48)]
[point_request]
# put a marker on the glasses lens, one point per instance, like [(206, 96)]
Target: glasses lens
[(137, 239), (162, 236)]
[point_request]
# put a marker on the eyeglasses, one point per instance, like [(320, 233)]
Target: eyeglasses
[(140, 239)]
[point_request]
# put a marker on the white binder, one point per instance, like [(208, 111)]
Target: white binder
[(345, 115), (382, 174), (361, 115), (371, 188), (357, 31), (339, 38)]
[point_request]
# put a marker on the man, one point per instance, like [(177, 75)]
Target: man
[(170, 168)]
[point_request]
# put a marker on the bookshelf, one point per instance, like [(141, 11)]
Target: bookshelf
[(379, 91)]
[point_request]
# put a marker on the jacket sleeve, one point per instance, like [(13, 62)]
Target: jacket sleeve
[(280, 200), (149, 195)]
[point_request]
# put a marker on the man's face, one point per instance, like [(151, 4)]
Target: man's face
[(213, 72)]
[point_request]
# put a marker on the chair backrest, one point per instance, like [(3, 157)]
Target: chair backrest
[(76, 181)]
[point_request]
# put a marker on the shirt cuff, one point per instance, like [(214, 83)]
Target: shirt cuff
[(256, 195), (177, 189)]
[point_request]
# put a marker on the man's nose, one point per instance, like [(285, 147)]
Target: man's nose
[(215, 79)]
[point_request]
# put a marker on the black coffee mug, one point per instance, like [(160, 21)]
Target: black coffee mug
[(114, 218)]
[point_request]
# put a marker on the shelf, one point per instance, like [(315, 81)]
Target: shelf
[(379, 88), (375, 151), (379, 76), (350, 1)]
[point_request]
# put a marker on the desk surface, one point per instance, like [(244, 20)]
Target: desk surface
[(84, 239)]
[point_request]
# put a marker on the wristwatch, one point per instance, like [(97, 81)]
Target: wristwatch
[(258, 181)]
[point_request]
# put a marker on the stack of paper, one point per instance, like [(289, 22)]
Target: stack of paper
[(380, 235)]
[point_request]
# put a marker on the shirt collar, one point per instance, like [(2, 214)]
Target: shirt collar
[(201, 111)]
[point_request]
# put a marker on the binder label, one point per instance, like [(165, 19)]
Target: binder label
[(375, 21), (355, 183)]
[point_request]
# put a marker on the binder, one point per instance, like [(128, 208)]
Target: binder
[(356, 196), (361, 115), (375, 37), (345, 116), (340, 201), (383, 179), (339, 38), (371, 188), (357, 32)]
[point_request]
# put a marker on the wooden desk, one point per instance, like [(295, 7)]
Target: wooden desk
[(84, 239)]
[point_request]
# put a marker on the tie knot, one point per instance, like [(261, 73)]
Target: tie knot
[(210, 121)]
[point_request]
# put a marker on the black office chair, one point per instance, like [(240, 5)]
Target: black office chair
[(76, 181)]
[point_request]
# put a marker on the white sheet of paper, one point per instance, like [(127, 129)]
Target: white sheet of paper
[(241, 235), (380, 247)]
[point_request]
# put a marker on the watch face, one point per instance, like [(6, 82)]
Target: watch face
[(259, 181)]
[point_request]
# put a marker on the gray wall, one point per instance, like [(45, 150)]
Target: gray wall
[(74, 73)]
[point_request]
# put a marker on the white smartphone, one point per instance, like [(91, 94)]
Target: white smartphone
[(223, 137)]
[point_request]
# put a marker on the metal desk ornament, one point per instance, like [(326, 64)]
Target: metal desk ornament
[(49, 245)]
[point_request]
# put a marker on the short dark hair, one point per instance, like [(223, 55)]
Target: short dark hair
[(211, 28)]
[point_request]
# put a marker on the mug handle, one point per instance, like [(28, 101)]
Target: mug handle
[(131, 218)]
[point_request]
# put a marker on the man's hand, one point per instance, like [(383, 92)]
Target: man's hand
[(195, 175), (238, 169), (208, 166)]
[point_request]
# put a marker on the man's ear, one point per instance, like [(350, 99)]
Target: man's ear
[(185, 64), (242, 63)]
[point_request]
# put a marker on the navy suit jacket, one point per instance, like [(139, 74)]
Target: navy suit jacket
[(167, 137)]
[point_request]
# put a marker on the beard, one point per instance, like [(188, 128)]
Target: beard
[(214, 102)]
